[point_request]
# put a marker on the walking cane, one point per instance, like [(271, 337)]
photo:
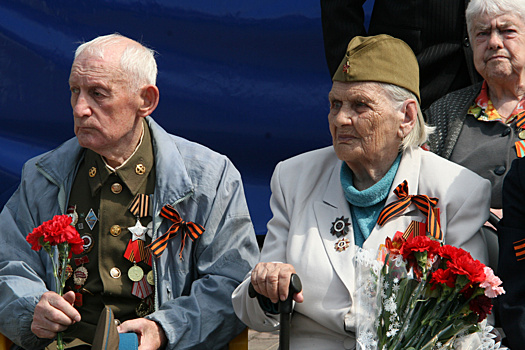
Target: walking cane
[(284, 309)]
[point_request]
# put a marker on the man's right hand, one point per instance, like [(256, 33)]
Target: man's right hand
[(53, 314)]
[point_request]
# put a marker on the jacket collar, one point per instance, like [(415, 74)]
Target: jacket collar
[(60, 166)]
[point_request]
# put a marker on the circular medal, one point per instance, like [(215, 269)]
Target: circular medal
[(150, 278), (80, 276), (135, 273), (143, 309), (521, 135), (88, 242)]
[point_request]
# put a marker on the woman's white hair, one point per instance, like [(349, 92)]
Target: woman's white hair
[(137, 61), (493, 8), (420, 132)]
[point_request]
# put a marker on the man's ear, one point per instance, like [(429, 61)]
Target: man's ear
[(410, 117), (149, 98)]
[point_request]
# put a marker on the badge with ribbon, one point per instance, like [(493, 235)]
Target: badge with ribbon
[(186, 228)]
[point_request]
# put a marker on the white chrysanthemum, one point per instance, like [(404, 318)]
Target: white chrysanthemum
[(390, 305), (367, 340)]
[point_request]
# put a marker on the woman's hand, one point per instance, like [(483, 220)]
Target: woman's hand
[(272, 280)]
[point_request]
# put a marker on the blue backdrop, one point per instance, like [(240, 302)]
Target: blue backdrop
[(246, 78)]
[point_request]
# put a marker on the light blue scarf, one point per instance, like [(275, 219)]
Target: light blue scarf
[(365, 206)]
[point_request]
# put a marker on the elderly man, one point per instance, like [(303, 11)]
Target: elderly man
[(327, 202), (125, 181)]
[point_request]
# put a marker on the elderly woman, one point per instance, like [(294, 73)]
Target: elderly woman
[(482, 127), (326, 202)]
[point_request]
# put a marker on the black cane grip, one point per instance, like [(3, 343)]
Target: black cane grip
[(295, 287), (285, 307)]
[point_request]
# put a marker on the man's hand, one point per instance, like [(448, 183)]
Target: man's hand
[(54, 314), (150, 333), (272, 280)]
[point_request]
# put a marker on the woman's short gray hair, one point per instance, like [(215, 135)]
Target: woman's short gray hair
[(137, 61), (493, 8), (419, 133)]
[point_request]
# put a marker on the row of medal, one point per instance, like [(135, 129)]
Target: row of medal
[(135, 252)]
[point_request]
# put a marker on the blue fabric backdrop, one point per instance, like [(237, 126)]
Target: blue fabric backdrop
[(246, 78)]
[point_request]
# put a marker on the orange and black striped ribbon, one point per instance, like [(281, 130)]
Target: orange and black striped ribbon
[(141, 205), (421, 201), (519, 249), (520, 120), (188, 229)]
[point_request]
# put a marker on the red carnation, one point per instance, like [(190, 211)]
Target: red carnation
[(482, 306), (420, 244), (443, 277), (465, 265)]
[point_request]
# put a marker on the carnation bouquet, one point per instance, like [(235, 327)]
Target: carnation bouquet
[(58, 233), (422, 295)]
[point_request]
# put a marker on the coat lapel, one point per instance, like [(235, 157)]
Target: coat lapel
[(333, 206)]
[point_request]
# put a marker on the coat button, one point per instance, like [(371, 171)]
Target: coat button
[(115, 230), (500, 170), (348, 343), (115, 272), (116, 188)]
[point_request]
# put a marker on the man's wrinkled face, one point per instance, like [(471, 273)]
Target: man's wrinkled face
[(104, 108)]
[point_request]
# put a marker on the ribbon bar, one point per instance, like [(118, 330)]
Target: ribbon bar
[(188, 229)]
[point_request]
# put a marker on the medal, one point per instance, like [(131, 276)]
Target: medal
[(88, 242), (342, 244), (135, 273), (340, 227), (150, 278), (72, 211), (138, 231), (521, 134), (80, 276), (91, 219), (145, 307)]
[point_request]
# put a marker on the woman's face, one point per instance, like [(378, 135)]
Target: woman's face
[(498, 44), (366, 129)]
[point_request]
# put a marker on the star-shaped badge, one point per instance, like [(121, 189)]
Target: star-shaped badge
[(138, 231), (340, 227)]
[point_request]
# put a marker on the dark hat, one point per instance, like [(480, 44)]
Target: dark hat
[(380, 58)]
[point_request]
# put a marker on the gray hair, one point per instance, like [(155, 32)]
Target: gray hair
[(493, 8), (137, 61), (420, 132)]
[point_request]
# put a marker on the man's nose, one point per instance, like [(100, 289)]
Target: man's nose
[(81, 107)]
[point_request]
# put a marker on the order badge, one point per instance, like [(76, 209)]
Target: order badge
[(135, 273)]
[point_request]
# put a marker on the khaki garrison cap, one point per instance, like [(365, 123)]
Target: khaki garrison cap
[(380, 58)]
